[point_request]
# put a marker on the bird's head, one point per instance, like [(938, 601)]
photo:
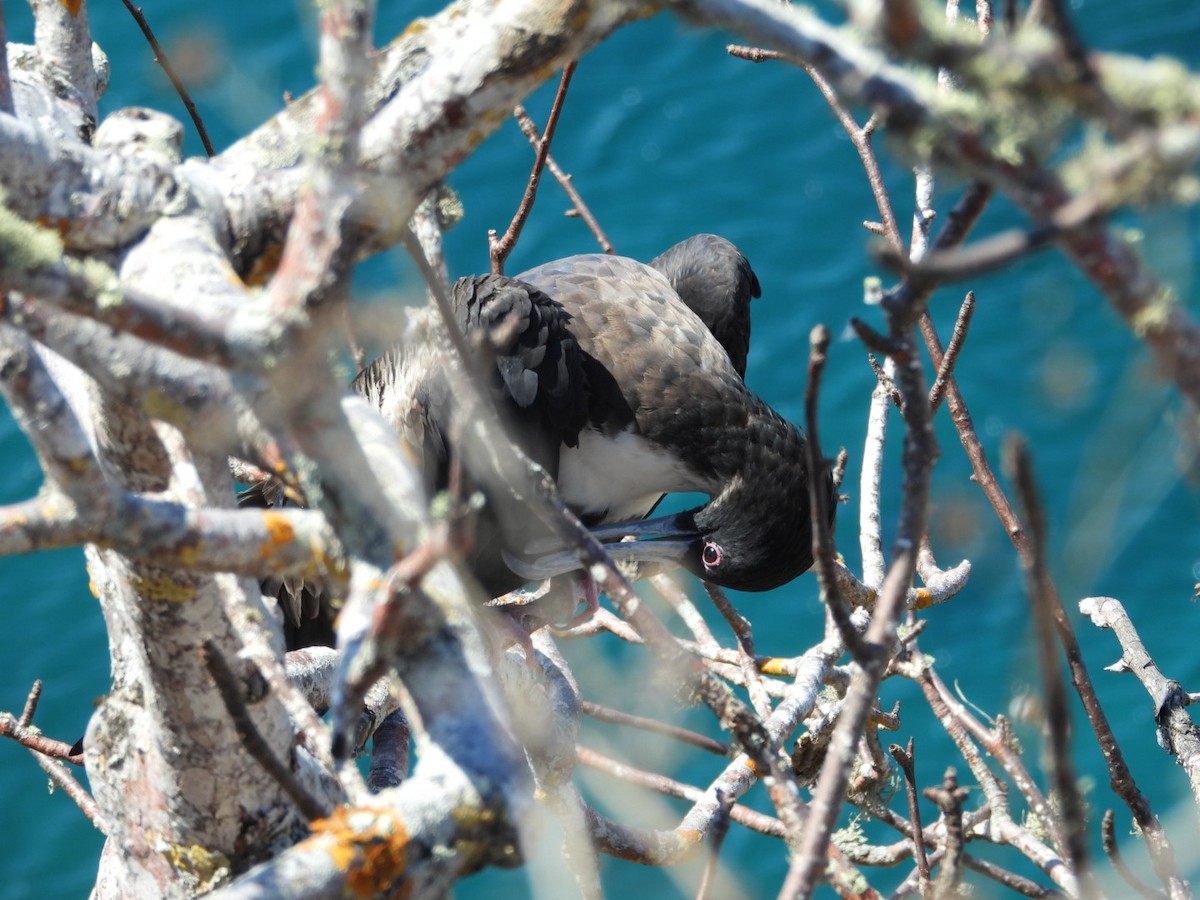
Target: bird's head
[(749, 546), (746, 539)]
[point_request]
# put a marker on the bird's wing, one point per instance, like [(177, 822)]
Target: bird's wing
[(537, 377), (649, 354)]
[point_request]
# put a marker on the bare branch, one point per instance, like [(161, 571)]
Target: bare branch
[(715, 798), (1108, 839), (1177, 733), (565, 181), (33, 740)]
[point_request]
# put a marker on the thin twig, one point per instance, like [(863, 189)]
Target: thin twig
[(30, 738), (746, 656), (500, 248), (1057, 716), (738, 623), (743, 815), (904, 757), (957, 338), (31, 702), (716, 837), (839, 468), (873, 340), (161, 58), (1177, 733), (617, 717), (686, 609), (822, 539), (1010, 880), (73, 789), (1108, 840), (50, 754), (859, 136), (885, 382), (985, 256)]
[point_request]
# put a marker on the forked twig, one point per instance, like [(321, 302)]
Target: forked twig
[(565, 181), (859, 136), (499, 249), (50, 755)]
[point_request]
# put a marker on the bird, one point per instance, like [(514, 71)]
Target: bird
[(625, 382)]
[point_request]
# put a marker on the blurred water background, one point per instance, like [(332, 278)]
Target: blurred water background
[(667, 136)]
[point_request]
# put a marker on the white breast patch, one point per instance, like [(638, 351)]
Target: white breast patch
[(621, 476)]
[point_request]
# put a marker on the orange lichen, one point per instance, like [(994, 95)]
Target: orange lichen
[(369, 845), (924, 599), (265, 265), (279, 531), (61, 225), (72, 6)]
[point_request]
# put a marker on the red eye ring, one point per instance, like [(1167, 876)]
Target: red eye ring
[(711, 555)]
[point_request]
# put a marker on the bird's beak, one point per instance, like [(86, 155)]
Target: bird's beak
[(647, 545)]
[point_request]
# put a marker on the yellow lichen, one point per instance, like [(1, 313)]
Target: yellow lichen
[(27, 247), (162, 588), (160, 405), (209, 867), (773, 666)]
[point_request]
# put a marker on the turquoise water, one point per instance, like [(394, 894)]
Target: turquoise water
[(667, 136)]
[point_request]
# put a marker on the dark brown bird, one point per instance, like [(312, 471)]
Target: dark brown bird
[(625, 382)]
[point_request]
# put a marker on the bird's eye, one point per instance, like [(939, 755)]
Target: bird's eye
[(711, 555)]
